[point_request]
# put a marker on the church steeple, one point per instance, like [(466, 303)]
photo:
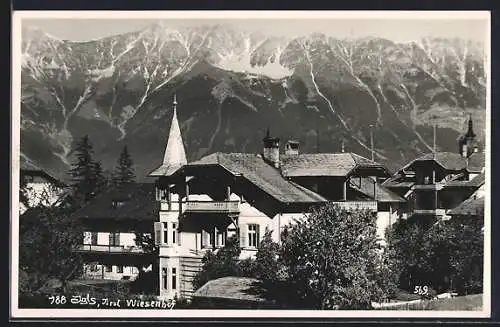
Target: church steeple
[(470, 130), (175, 154), (468, 144)]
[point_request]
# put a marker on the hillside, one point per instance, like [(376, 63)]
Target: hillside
[(232, 85)]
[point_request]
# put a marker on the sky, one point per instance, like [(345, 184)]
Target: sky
[(399, 30)]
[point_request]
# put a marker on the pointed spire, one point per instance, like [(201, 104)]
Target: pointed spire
[(470, 130), (175, 154)]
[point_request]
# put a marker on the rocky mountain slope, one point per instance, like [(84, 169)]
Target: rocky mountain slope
[(232, 85)]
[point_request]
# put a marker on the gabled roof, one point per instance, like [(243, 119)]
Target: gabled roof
[(398, 180), (476, 182), (324, 164), (253, 168), (382, 193), (139, 203), (448, 160), (476, 162), (29, 167), (470, 207)]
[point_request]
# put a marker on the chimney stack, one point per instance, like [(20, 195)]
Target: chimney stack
[(271, 149), (292, 147)]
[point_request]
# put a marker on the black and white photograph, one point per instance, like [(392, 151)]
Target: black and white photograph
[(250, 164)]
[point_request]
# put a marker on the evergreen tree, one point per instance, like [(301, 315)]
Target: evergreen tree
[(86, 173), (124, 171)]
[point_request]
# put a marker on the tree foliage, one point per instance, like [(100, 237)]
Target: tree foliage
[(267, 265), (124, 172), (333, 259), (223, 263), (447, 256), (47, 240), (86, 173)]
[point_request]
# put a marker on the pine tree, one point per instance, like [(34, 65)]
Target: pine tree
[(124, 171), (86, 173)]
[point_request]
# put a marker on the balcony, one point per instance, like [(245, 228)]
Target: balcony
[(114, 249), (432, 212), (211, 207), (356, 205)]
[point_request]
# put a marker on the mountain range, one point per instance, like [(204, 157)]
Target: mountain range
[(232, 85)]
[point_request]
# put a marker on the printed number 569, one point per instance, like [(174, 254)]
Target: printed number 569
[(421, 290)]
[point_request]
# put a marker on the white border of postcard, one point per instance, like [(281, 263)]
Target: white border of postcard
[(100, 313)]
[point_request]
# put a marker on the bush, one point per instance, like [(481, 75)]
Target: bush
[(221, 264)]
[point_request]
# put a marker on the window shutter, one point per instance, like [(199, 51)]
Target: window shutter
[(117, 239), (111, 238), (178, 236), (257, 236), (158, 226), (243, 235)]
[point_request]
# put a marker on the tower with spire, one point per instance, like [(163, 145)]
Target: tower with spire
[(468, 143), (175, 154)]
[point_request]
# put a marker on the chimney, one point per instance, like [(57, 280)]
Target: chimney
[(292, 147), (271, 149)]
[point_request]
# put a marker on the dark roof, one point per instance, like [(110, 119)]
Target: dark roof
[(383, 194), (470, 207), (448, 160), (233, 288), (476, 162), (324, 164), (139, 203), (476, 182), (257, 171)]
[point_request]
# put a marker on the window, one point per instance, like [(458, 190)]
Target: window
[(206, 239), (221, 238), (174, 230), (109, 268), (165, 233), (253, 235), (119, 269), (174, 278), (94, 268), (93, 238), (165, 278), (114, 239)]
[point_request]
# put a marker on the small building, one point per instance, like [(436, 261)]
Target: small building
[(111, 220), (41, 186)]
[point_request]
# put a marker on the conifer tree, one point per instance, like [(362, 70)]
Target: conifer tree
[(124, 170), (86, 173)]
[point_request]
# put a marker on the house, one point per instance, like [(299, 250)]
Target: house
[(204, 202), (40, 186), (111, 220), (437, 182)]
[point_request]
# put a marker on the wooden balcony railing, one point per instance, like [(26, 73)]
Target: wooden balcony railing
[(356, 205), (110, 249), (211, 206)]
